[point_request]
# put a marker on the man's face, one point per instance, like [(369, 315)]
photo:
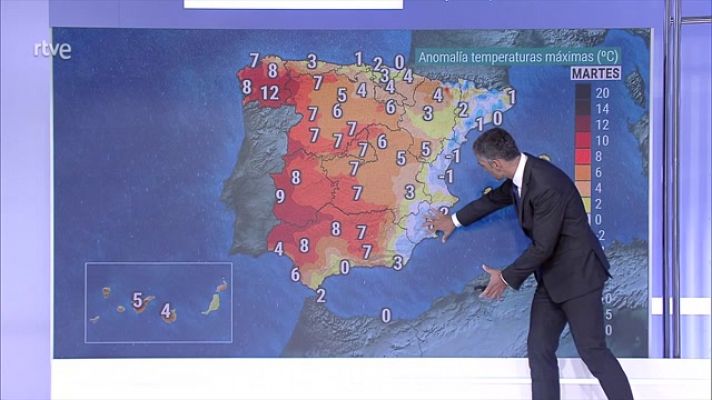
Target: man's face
[(494, 167)]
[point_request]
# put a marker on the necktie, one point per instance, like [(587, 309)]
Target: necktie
[(515, 194)]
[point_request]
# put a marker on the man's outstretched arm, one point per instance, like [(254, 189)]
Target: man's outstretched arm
[(490, 202), (497, 198)]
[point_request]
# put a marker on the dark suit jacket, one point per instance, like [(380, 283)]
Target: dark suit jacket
[(565, 255)]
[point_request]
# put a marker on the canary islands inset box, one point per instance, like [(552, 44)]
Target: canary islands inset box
[(158, 302)]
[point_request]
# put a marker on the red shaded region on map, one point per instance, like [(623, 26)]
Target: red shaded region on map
[(364, 162)]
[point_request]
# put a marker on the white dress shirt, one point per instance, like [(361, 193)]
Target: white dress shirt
[(519, 174)]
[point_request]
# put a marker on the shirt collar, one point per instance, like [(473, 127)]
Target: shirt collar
[(519, 173)]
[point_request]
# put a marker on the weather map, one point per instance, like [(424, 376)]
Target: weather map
[(263, 193), (369, 157)]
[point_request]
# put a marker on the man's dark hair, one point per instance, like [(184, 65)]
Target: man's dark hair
[(496, 143)]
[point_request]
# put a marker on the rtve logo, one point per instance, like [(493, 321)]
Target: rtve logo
[(63, 50)]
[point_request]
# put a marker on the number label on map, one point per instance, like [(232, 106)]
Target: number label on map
[(345, 267), (361, 90), (247, 87), (339, 137), (427, 113), (318, 79), (354, 167), (279, 248), (272, 70), (386, 315), (359, 58), (399, 61), (408, 76), (254, 58), (438, 95), (336, 111), (312, 61), (462, 108), (313, 110), (377, 63), (382, 141), (352, 127), (270, 92), (397, 262), (341, 95), (364, 148), (296, 177), (497, 118), (400, 158), (321, 295), (385, 75), (409, 192), (512, 96), (449, 176), (280, 196), (425, 149), (336, 228), (315, 134), (166, 311), (480, 123), (367, 248), (361, 231), (304, 245), (358, 190), (391, 107), (391, 86), (137, 300)]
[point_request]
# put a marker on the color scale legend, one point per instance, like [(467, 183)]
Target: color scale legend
[(582, 158)]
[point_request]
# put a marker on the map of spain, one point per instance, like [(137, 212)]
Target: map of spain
[(266, 190), (340, 163)]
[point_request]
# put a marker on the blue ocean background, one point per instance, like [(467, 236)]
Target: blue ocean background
[(148, 125)]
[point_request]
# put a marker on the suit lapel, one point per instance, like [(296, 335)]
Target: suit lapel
[(525, 185)]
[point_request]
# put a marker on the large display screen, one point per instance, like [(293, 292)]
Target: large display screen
[(262, 193)]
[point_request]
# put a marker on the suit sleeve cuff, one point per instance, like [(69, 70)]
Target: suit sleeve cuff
[(504, 280), (456, 221)]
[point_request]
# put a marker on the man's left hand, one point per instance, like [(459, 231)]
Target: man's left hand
[(495, 287)]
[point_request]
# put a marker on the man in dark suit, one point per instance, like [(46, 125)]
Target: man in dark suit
[(565, 257)]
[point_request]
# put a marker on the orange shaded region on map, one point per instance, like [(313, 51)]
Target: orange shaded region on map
[(353, 165)]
